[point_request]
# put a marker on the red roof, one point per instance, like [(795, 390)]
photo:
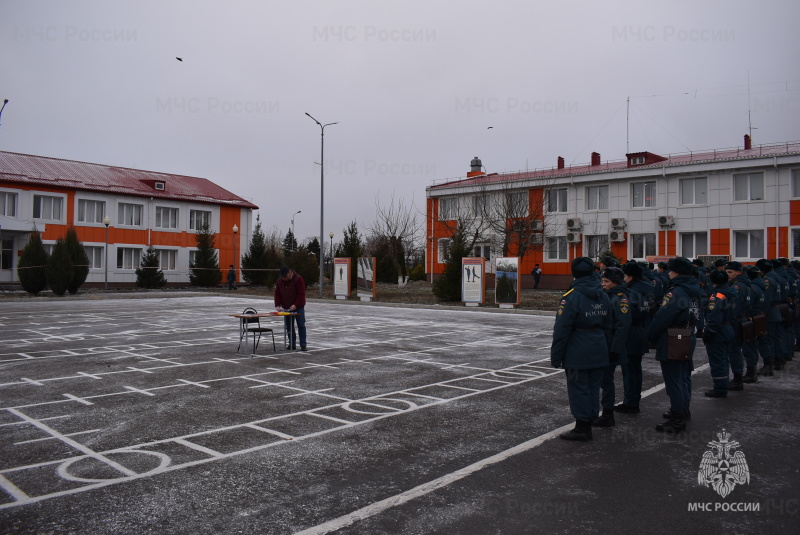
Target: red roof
[(620, 165), (54, 172)]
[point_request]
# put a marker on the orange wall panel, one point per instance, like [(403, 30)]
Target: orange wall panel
[(794, 213)]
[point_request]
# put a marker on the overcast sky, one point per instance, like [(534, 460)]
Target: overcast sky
[(414, 87)]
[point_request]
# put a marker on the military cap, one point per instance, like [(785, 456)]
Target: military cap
[(718, 277), (680, 265), (614, 274), (734, 265), (764, 265), (582, 267), (632, 269)]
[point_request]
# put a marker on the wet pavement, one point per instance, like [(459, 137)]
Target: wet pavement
[(139, 416)]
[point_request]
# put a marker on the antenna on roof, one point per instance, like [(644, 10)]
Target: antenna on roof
[(749, 122), (628, 128)]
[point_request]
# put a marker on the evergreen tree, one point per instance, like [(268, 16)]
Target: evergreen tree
[(205, 268), (448, 286), (59, 268), (506, 290), (32, 266), (352, 247), (289, 244), (149, 274), (256, 257), (79, 259), (306, 264), (313, 247)]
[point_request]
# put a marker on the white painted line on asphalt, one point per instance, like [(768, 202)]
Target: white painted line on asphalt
[(12, 489), (284, 436), (197, 447), (31, 381), (54, 438), (79, 400), (193, 383), (441, 482), (139, 390)]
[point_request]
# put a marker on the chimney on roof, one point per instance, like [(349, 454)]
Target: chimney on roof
[(595, 158), (475, 167), (748, 144), (560, 162)]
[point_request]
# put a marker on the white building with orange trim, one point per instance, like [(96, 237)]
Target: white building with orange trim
[(144, 208), (743, 202)]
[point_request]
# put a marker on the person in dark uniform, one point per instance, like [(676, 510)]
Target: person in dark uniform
[(580, 345), (718, 332), (779, 340), (702, 272), (751, 349), (740, 284), (537, 276), (679, 308), (612, 280), (640, 295), (794, 272), (231, 278), (790, 287), (772, 297)]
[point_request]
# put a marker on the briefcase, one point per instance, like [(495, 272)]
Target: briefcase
[(679, 343), (786, 314), (746, 333), (760, 325)]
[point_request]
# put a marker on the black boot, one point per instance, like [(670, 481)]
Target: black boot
[(604, 420), (581, 433), (750, 375), (686, 415), (675, 424), (714, 393), (737, 383), (778, 364), (627, 409), (766, 370)]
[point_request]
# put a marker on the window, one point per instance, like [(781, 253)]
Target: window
[(167, 259), (95, 255), (166, 217), (128, 258), (7, 254), (795, 182), (47, 207), (192, 257), (444, 250), (8, 204), (91, 211), (597, 197), (748, 243), (748, 187), (482, 250), (198, 218), (480, 205), (694, 244), (596, 245), (795, 245), (557, 200), (637, 160), (556, 248), (643, 245), (643, 194), (517, 204), (130, 214), (448, 208), (694, 191)]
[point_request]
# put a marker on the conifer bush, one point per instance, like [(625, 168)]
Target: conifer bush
[(32, 266)]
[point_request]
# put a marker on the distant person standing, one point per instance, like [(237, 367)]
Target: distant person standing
[(580, 345), (231, 278), (290, 295), (537, 276)]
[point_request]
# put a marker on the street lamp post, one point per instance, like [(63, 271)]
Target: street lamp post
[(4, 107), (293, 236), (235, 232), (106, 222), (331, 235), (321, 197)]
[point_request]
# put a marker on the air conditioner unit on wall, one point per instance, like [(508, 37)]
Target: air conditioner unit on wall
[(574, 223), (666, 220), (618, 222), (616, 235), (573, 237)]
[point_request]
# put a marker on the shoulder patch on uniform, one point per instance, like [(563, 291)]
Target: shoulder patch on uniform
[(712, 304), (624, 306), (666, 299), (720, 295)]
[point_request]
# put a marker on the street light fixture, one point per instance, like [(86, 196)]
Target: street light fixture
[(235, 232), (331, 235), (4, 107), (106, 222), (321, 196), (293, 236)]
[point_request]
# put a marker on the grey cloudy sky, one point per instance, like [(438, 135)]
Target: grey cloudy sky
[(413, 85)]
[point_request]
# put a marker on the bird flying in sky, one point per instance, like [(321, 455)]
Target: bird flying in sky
[(179, 59)]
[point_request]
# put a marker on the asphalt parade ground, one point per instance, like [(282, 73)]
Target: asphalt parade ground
[(138, 416)]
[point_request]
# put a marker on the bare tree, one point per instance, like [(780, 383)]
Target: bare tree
[(398, 225)]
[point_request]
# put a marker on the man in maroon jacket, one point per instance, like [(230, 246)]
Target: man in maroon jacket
[(290, 295)]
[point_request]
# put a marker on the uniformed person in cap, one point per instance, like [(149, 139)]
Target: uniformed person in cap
[(679, 308), (718, 332), (740, 284), (580, 345), (612, 280), (772, 298), (640, 295), (751, 349)]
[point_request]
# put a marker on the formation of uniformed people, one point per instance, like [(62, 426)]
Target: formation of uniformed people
[(612, 316)]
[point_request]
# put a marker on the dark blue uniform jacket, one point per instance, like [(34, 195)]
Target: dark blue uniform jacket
[(640, 294), (583, 327), (680, 307), (621, 315)]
